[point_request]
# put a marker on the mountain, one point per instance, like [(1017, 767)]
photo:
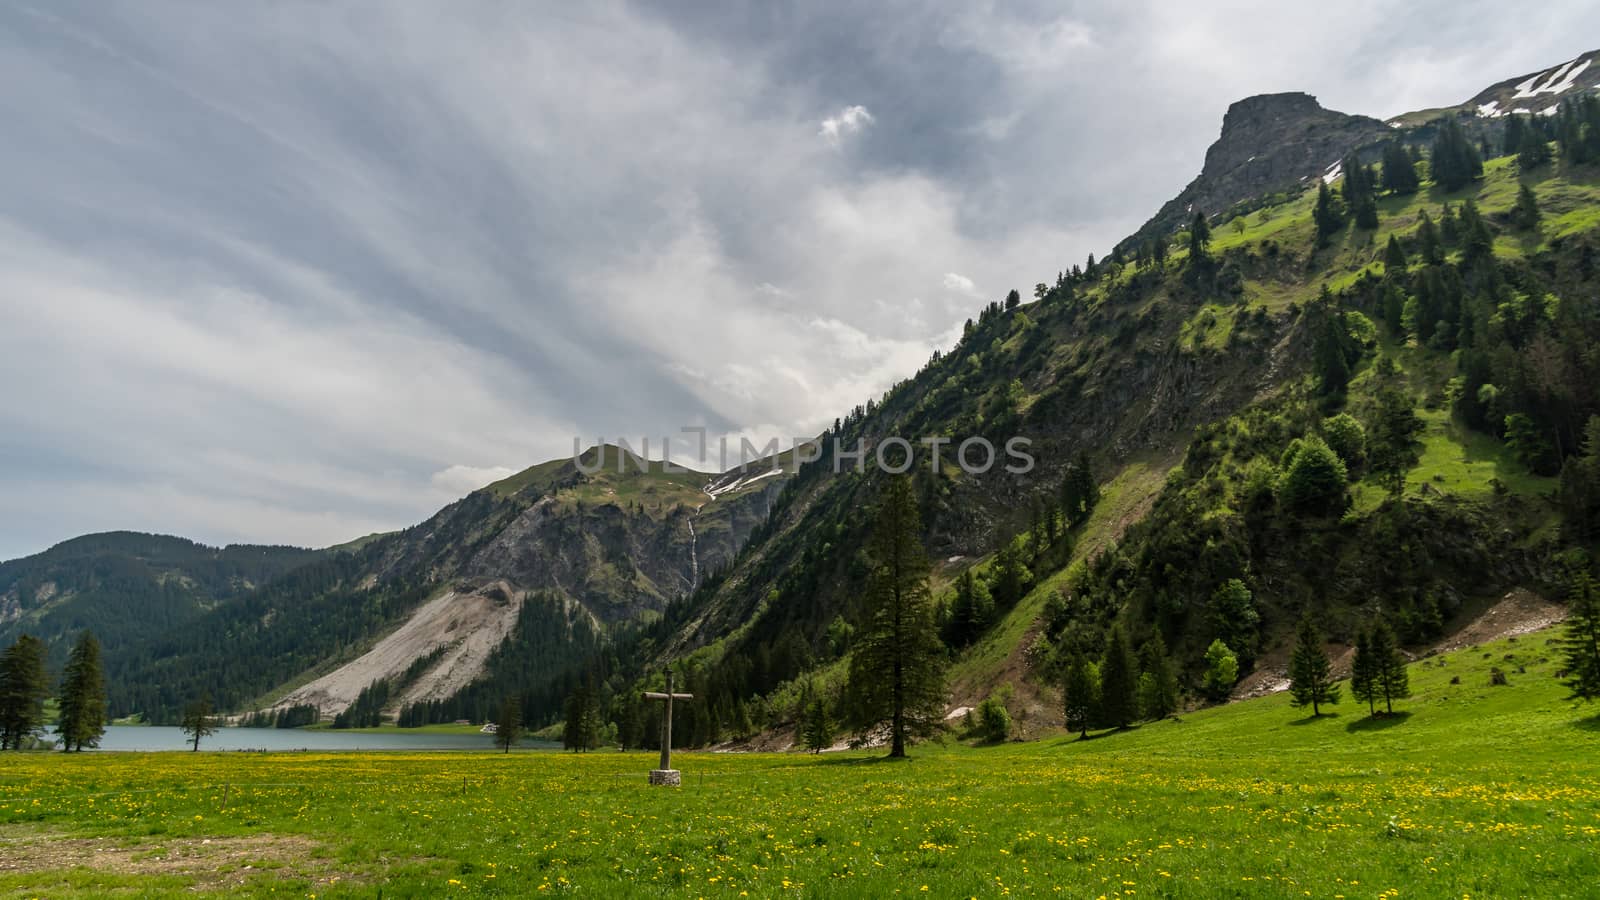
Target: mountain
[(1536, 93), (579, 547), (1270, 143), (127, 587), (1192, 385), (1303, 415)]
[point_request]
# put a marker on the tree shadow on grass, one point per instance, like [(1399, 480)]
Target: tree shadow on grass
[(1590, 724), (834, 759), (1312, 720), (1379, 721)]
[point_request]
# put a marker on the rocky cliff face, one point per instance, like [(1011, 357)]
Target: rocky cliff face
[(1269, 143)]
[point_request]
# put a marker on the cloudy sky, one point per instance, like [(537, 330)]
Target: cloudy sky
[(293, 272)]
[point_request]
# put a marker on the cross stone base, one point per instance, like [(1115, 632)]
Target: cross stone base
[(666, 777)]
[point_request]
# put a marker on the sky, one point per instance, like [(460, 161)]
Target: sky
[(298, 272)]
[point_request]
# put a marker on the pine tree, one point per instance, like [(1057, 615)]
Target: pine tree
[(1158, 686), (23, 689), (1328, 214), (83, 697), (1432, 247), (1525, 215), (1310, 673), (1580, 646), (1079, 492), (1388, 666), (1079, 694), (1199, 240), (1454, 160), (817, 727), (197, 721), (1399, 170), (1391, 439), (1394, 256), (897, 668), (1222, 671), (1363, 673), (1534, 149), (1119, 682), (1359, 191), (970, 610), (508, 725), (1013, 299)]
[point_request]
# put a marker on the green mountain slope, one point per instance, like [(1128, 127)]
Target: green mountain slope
[(128, 587), (1191, 383)]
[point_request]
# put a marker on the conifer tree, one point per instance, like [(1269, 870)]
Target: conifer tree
[(1363, 674), (1525, 215), (1328, 215), (1431, 246), (1119, 701), (508, 724), (83, 697), (1079, 492), (1394, 256), (1199, 240), (817, 728), (1399, 170), (1388, 666), (197, 721), (897, 668), (1158, 686), (1391, 438), (1534, 149), (1310, 673), (23, 689), (1454, 160), (1359, 191), (1580, 646), (1079, 695), (970, 610)]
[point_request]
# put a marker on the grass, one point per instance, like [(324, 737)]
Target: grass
[(1458, 461), (1480, 791)]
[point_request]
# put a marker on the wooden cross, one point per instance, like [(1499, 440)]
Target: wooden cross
[(666, 720)]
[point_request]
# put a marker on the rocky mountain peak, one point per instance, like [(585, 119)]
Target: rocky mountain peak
[(1269, 143)]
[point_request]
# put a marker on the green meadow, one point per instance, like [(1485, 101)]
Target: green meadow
[(1471, 790)]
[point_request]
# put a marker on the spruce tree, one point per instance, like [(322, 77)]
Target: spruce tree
[(1525, 215), (1310, 673), (1199, 240), (817, 727), (23, 689), (197, 721), (1534, 150), (1392, 439), (897, 668), (1394, 256), (83, 697), (1363, 673), (1431, 245), (1158, 686), (1580, 646), (1399, 170), (1119, 682), (508, 724), (1455, 162), (1079, 693), (1328, 215), (1388, 666)]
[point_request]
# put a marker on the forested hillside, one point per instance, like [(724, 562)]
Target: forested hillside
[(1373, 395), (128, 587)]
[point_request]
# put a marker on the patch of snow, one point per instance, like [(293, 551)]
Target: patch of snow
[(1550, 111), (744, 481), (1490, 110), (1333, 173), (1560, 80), (1523, 111)]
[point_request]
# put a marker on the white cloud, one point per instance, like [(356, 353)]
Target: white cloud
[(850, 120), (466, 479), (961, 284)]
